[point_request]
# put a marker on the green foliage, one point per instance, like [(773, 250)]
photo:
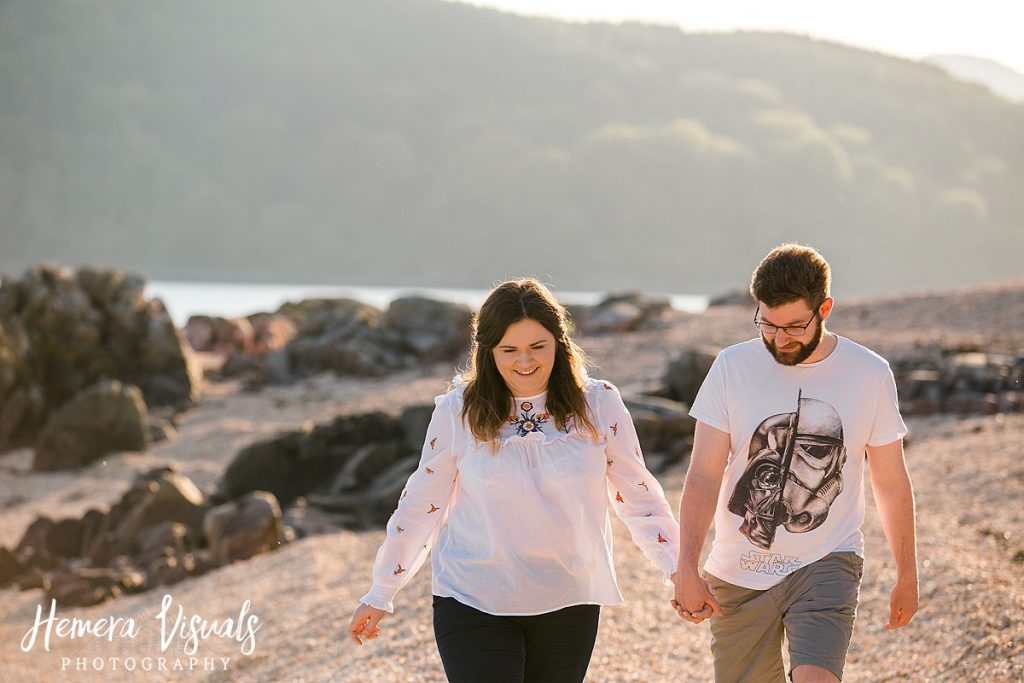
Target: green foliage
[(419, 141)]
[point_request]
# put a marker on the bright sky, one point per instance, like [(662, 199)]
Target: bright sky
[(908, 28)]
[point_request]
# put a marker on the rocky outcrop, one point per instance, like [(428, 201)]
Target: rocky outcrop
[(161, 531), (736, 297), (343, 336), (930, 379), (623, 312), (105, 418), (243, 528), (63, 331), (664, 428), (686, 372), (933, 379)]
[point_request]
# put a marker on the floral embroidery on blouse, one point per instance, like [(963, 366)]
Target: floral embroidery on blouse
[(432, 442), (528, 422), (433, 508), (615, 429), (644, 484), (662, 539), (399, 570), (618, 497)]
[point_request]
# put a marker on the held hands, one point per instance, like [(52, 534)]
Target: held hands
[(364, 623), (902, 604), (693, 600)]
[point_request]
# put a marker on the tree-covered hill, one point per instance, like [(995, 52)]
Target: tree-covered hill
[(427, 142)]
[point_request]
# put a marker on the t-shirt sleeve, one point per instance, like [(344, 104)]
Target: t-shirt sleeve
[(888, 425), (711, 404)]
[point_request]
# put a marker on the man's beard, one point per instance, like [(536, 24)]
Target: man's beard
[(802, 352)]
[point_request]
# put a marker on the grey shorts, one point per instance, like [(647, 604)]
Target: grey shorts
[(815, 607)]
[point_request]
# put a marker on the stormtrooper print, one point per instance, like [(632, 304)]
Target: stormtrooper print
[(793, 473)]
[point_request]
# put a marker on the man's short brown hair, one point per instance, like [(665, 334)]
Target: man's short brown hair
[(791, 272)]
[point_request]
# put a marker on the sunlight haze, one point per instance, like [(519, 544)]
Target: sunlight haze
[(914, 29)]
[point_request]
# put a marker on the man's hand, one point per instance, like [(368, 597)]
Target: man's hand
[(693, 599), (902, 604), (364, 623)]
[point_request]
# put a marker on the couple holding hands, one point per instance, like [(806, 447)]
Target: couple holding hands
[(526, 454)]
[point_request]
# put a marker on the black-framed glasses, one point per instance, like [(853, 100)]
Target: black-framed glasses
[(792, 330)]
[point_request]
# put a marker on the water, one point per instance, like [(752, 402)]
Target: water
[(230, 300)]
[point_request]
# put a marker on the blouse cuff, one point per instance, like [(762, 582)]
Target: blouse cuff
[(375, 598), (668, 566)]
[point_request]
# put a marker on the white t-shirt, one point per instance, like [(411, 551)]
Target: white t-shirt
[(835, 407), (525, 530)]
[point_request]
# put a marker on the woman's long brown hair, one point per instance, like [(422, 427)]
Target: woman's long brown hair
[(488, 400)]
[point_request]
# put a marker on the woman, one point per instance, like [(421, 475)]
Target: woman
[(521, 462)]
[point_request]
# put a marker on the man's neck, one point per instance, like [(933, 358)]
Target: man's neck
[(825, 348)]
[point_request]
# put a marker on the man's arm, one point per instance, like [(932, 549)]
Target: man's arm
[(894, 497), (693, 600)]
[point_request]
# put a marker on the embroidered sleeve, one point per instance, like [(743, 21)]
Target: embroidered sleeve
[(422, 506), (634, 494)]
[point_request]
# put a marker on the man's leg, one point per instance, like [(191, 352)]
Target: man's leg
[(820, 608), (746, 641)]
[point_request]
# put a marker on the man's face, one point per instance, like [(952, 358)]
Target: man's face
[(790, 349)]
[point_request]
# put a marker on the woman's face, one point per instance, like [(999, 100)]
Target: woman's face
[(525, 356)]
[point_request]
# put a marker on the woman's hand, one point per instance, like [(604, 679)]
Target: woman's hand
[(364, 623)]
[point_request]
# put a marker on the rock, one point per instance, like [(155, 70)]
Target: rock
[(93, 525), (686, 373), (296, 463), (160, 430), (432, 329), (277, 367), (381, 498), (65, 538), (106, 418), (201, 332), (35, 535), (271, 332), (241, 529), (310, 520), (372, 506), (91, 586), (626, 312), (664, 428), (63, 331), (350, 350), (33, 578), (737, 297), (414, 421), (161, 496), (269, 465), (367, 463), (314, 317), (11, 567), (620, 316), (167, 539)]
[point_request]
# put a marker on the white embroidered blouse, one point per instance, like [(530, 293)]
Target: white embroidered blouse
[(525, 530)]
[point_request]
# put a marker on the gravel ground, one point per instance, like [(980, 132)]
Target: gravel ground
[(968, 476)]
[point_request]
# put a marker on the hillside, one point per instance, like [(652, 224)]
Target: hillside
[(400, 142)]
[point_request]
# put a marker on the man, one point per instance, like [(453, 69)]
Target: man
[(783, 426)]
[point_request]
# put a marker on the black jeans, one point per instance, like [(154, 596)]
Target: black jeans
[(545, 648)]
